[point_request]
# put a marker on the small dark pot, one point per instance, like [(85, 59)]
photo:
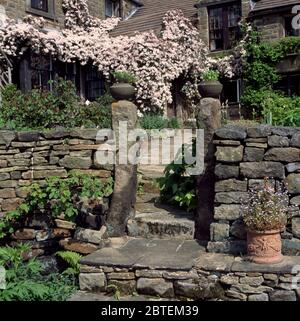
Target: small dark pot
[(211, 88), (122, 91)]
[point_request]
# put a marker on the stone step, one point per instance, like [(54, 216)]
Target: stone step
[(155, 220)]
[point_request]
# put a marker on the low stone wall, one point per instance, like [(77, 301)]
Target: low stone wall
[(27, 157), (244, 156), (214, 277)]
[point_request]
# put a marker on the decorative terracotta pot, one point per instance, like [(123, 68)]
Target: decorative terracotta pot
[(211, 88), (264, 247), (122, 91)]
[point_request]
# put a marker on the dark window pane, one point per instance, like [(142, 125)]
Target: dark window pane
[(40, 5), (95, 84), (112, 8), (41, 71), (224, 31)]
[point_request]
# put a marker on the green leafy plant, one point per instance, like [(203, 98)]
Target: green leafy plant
[(72, 259), (176, 187), (60, 107), (210, 75), (115, 290), (152, 121), (174, 123), (24, 279), (57, 196), (266, 209), (124, 77)]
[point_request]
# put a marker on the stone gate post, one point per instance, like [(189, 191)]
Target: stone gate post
[(125, 186), (209, 119)]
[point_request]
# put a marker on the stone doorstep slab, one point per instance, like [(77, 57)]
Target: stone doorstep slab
[(152, 254)]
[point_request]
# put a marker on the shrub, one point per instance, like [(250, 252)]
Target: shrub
[(266, 209), (124, 77), (25, 282), (61, 107), (151, 121), (210, 75), (57, 196), (176, 187)]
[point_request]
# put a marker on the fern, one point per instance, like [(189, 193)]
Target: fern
[(73, 259)]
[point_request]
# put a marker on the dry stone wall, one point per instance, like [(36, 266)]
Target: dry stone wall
[(27, 157), (244, 156)]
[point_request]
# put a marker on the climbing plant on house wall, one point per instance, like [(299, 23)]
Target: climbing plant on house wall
[(155, 60)]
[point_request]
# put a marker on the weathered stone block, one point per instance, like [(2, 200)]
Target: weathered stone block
[(149, 274), (283, 154), (231, 185), (7, 193), (87, 235), (296, 226), (11, 204), (30, 136), (231, 132), (262, 169), (229, 279), (24, 234), (282, 295), (186, 289), (253, 154), (121, 276), (65, 224), (226, 171), (227, 212), (236, 295), (258, 297), (126, 287), (231, 197), (293, 183), (252, 281), (295, 141), (278, 141), (94, 282), (229, 247), (219, 231), (76, 162), (90, 133), (155, 287), (229, 154), (77, 246), (6, 137), (259, 131)]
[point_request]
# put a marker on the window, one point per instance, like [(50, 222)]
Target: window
[(289, 84), (112, 8), (224, 29), (44, 8), (94, 84), (289, 30), (41, 71), (40, 5)]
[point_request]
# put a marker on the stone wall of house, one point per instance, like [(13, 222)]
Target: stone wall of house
[(244, 156), (27, 157), (17, 9), (270, 26)]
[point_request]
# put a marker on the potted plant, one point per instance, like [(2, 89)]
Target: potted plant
[(123, 89), (210, 85), (265, 215)]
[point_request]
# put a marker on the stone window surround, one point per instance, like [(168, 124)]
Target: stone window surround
[(51, 10)]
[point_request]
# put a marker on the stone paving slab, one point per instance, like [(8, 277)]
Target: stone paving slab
[(286, 266), (143, 253), (86, 296), (228, 263)]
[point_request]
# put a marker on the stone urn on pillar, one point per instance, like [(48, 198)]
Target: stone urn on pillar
[(210, 86), (123, 88), (265, 216)]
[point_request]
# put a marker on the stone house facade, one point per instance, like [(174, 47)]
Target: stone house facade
[(218, 25), (35, 71)]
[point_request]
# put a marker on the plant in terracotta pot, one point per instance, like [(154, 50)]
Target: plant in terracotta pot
[(210, 86), (265, 216), (123, 88)]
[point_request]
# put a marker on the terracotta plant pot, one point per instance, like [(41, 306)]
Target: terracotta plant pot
[(211, 88), (264, 247), (122, 91)]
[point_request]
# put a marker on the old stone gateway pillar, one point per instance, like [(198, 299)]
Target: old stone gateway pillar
[(125, 187), (209, 119)]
